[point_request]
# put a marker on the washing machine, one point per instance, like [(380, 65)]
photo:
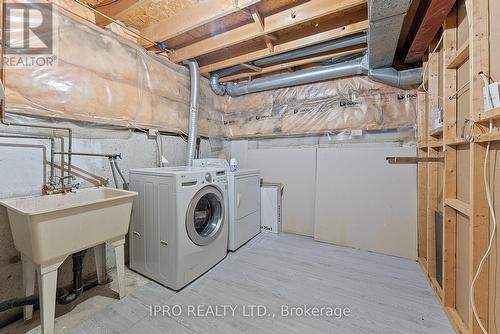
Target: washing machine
[(179, 226)]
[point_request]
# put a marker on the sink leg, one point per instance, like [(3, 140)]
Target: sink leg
[(100, 263), (120, 265), (47, 284), (29, 274)]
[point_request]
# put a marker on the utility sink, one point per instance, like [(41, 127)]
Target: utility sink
[(47, 229)]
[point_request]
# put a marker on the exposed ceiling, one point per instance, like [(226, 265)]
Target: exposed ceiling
[(223, 33)]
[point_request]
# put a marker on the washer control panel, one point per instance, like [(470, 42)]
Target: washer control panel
[(220, 176)]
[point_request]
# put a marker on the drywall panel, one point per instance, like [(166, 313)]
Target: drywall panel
[(363, 202), (295, 168)]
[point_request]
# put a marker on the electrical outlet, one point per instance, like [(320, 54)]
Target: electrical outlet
[(491, 96), (153, 132)]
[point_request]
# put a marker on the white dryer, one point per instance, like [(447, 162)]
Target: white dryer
[(244, 201), (179, 226)]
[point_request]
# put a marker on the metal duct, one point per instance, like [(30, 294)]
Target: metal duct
[(385, 20), (311, 75), (358, 66), (194, 71), (392, 77), (220, 89)]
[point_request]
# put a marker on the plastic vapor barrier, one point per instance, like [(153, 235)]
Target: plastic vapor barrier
[(344, 104), (103, 79)]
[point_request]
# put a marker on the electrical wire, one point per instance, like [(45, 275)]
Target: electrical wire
[(493, 218), (427, 66)]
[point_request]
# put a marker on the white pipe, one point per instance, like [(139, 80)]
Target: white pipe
[(193, 109)]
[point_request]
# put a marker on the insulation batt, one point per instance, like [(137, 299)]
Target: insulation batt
[(105, 79)]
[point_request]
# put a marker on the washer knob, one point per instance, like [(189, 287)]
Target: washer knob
[(208, 177)]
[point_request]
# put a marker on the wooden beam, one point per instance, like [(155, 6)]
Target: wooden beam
[(288, 46), (269, 44), (257, 18), (285, 66), (192, 18), (113, 10), (253, 67), (281, 20), (436, 13)]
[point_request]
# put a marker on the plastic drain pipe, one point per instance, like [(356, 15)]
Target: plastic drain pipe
[(194, 71)]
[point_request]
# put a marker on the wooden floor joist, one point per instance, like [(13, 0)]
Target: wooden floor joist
[(192, 18), (281, 20), (288, 46)]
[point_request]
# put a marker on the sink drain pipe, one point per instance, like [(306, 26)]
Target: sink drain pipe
[(63, 296)]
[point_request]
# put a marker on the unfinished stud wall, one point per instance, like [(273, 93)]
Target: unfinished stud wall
[(456, 188)]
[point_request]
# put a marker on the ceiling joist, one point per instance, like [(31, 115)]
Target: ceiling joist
[(281, 20), (114, 9), (193, 18), (350, 29)]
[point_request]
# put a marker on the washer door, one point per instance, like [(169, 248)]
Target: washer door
[(205, 216)]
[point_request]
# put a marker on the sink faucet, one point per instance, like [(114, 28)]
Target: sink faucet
[(66, 187)]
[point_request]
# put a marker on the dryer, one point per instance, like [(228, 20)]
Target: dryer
[(179, 227), (244, 202)]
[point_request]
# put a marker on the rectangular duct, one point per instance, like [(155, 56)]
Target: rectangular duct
[(385, 21)]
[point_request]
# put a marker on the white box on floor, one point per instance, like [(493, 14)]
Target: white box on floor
[(270, 194)]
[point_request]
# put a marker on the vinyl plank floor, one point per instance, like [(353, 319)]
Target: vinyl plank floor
[(384, 294)]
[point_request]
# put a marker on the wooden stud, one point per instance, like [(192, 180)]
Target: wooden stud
[(432, 169), (450, 165), (422, 180), (479, 227)]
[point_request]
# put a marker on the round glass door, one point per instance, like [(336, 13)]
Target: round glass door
[(205, 216)]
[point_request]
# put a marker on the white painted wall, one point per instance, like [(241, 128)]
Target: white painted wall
[(363, 202), (295, 168), (345, 194)]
